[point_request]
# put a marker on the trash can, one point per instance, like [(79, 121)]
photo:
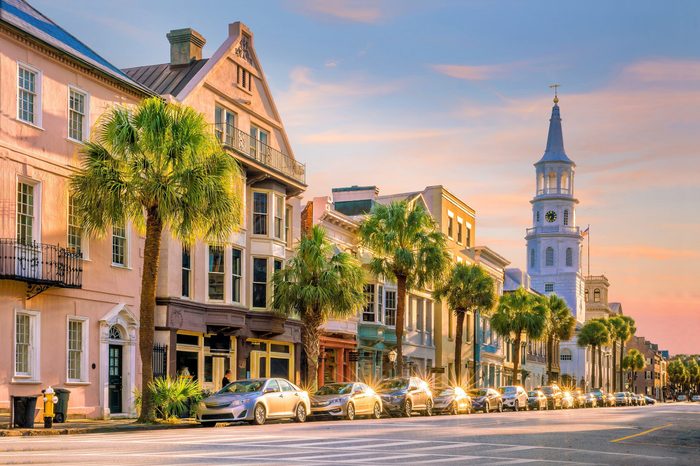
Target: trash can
[(23, 411), (61, 408)]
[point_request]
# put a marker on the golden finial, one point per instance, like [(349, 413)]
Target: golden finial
[(556, 97)]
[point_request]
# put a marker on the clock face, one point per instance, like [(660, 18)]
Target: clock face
[(550, 216)]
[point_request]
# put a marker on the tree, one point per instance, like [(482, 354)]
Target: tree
[(158, 166), (406, 246), (691, 365), (318, 284), (633, 362), (560, 326), (626, 332), (595, 334), (519, 313), (618, 328), (467, 289), (677, 373)]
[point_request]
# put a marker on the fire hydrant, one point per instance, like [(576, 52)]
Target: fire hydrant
[(49, 401)]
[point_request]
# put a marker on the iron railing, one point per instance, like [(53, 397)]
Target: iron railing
[(543, 191), (40, 264), (249, 146), (160, 360), (554, 229)]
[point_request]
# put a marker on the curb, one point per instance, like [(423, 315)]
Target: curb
[(91, 430)]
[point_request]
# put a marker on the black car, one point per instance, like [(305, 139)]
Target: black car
[(600, 397), (404, 395), (554, 396), (486, 400)]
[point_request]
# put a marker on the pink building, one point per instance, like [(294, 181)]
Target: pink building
[(68, 303)]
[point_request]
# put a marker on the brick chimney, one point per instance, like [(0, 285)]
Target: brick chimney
[(185, 45)]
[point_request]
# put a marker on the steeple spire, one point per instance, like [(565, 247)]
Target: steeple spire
[(555, 140)]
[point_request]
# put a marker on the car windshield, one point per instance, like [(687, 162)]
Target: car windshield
[(393, 385), (619, 394), (335, 389), (508, 390), (597, 392), (531, 393), (243, 386), (547, 390), (481, 392)]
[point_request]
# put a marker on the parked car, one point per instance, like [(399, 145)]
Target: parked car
[(599, 394), (453, 400), (346, 400), (405, 395), (641, 401), (486, 400), (651, 401), (610, 399), (255, 400), (681, 397), (695, 398), (632, 398), (567, 400), (553, 394), (514, 397), (591, 400), (536, 400), (579, 398), (621, 399)]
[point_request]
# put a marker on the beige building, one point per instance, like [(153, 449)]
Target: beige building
[(213, 300), (68, 303)]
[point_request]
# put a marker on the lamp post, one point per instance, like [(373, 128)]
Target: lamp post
[(392, 359)]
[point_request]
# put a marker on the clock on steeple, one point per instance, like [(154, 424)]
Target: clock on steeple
[(550, 216)]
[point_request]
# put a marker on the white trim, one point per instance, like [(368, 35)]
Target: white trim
[(86, 114), (38, 87), (268, 275), (268, 233), (34, 374), (85, 350), (206, 275), (127, 247), (36, 225)]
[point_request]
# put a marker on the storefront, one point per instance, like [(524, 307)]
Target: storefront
[(204, 357), (335, 364)]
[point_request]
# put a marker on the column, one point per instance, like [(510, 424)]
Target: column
[(322, 366)]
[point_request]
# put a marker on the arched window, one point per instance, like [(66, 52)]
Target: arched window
[(115, 333), (565, 182), (532, 257), (566, 217), (569, 257), (565, 355), (552, 182), (549, 257), (596, 295), (540, 183), (586, 295)]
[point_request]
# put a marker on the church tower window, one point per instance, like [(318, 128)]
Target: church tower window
[(549, 257), (566, 217), (569, 257), (532, 257), (538, 215), (596, 295)]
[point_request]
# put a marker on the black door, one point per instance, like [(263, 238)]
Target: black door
[(115, 378)]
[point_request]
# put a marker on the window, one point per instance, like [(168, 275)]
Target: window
[(380, 303), (586, 295), (259, 140), (243, 78), (460, 227), (259, 213), (566, 217), (288, 226), (119, 244), (420, 316), (77, 113), (186, 270), (236, 275), (368, 311), (450, 224), (549, 257), (26, 344), (569, 257), (28, 98), (468, 241), (25, 213), (532, 257), (596, 295), (224, 125), (429, 321), (538, 216), (390, 306), (549, 287), (279, 215), (74, 231), (77, 353), (259, 282), (216, 273), (565, 357), (468, 332)]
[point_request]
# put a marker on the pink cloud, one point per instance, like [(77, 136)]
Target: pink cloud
[(361, 11), (478, 72)]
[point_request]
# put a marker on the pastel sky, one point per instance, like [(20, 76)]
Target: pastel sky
[(406, 94)]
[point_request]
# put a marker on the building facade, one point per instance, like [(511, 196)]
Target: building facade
[(213, 300), (651, 380), (68, 303)]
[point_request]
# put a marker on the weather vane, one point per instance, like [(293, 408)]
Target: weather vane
[(555, 86)]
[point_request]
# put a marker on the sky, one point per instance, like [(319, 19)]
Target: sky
[(407, 94)]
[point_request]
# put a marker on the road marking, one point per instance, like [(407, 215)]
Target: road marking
[(648, 431)]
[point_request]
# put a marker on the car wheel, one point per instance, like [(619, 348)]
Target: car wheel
[(487, 408), (500, 407), (259, 415), (377, 412), (429, 408), (300, 413), (454, 408), (407, 408), (516, 406), (350, 412), (208, 424)]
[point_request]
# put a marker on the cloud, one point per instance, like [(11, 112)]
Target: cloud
[(664, 71), (360, 11), (375, 135), (331, 63), (475, 72)]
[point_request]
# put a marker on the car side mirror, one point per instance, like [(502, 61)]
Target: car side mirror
[(269, 390)]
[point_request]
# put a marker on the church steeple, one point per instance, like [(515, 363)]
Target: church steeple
[(555, 139)]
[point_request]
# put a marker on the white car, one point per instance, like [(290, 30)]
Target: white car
[(695, 398), (514, 397)]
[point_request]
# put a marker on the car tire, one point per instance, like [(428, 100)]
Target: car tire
[(516, 406), (500, 407), (259, 415), (350, 412), (377, 411), (428, 408), (454, 408), (300, 413), (487, 408), (407, 408), (207, 424)]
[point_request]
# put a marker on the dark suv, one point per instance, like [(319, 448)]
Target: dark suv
[(486, 400), (553, 394), (404, 395)]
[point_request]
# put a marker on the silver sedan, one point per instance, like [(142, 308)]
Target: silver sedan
[(346, 400), (256, 401)]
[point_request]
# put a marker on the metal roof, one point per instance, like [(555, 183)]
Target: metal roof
[(164, 78)]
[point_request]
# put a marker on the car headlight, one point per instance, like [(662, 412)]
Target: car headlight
[(235, 403)]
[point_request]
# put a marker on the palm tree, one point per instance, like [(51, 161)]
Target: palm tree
[(560, 326), (633, 362), (595, 334), (316, 285), (407, 247), (677, 373), (158, 166), (468, 288), (617, 326), (626, 332), (519, 314), (691, 364)]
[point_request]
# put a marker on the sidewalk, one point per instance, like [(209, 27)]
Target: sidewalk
[(89, 426)]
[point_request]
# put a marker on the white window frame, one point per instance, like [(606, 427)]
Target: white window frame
[(36, 214), (37, 93), (86, 114), (368, 304), (450, 224), (84, 351), (34, 373), (460, 230), (268, 273), (278, 217), (227, 132), (208, 272), (387, 308), (84, 244), (127, 245), (239, 276), (288, 225), (190, 280), (266, 214)]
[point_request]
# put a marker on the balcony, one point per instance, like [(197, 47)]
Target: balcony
[(41, 266), (557, 191), (257, 151), (553, 229)]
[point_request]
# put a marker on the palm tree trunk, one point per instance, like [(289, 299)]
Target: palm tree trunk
[(614, 365), (600, 366), (622, 356), (475, 350), (149, 279), (516, 359), (400, 318), (458, 346), (311, 340), (593, 367), (550, 357)]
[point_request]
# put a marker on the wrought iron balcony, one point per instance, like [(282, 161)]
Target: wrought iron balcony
[(39, 265), (254, 149)]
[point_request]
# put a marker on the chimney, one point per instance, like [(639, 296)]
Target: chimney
[(185, 45)]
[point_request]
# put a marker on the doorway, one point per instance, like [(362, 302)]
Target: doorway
[(115, 365)]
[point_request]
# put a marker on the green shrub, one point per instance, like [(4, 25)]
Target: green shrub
[(174, 397)]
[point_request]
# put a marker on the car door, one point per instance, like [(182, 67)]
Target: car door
[(291, 396), (414, 394), (360, 398), (274, 398)]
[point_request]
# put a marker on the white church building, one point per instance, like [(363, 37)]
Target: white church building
[(554, 243)]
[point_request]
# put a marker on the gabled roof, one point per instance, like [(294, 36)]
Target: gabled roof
[(164, 78), (22, 16)]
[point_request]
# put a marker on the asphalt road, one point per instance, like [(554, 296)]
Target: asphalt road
[(654, 435)]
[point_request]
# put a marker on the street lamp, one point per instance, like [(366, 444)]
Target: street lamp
[(392, 359)]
